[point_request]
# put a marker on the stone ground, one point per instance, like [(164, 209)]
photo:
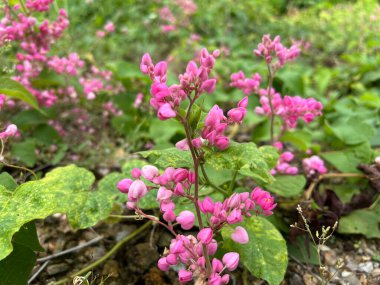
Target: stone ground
[(135, 261)]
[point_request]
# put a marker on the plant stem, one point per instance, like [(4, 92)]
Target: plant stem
[(196, 182), (108, 254), (269, 91), (315, 182), (232, 184)]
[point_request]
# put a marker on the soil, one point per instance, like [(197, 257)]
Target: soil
[(135, 262)]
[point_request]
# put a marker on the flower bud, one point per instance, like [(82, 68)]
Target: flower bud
[(166, 112), (137, 190), (205, 235), (136, 173), (231, 260), (149, 172), (185, 276), (240, 235), (162, 264), (186, 219), (123, 185), (180, 175), (208, 86)]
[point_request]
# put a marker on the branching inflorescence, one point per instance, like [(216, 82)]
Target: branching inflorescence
[(194, 252)]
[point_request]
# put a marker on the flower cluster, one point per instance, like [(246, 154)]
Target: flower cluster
[(39, 5), (283, 165), (166, 99), (290, 109), (270, 49), (66, 65), (247, 85), (188, 250), (314, 165), (171, 23), (36, 41)]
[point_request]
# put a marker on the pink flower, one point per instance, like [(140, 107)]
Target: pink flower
[(240, 235), (182, 145), (235, 216), (186, 219), (231, 260), (166, 112), (209, 86), (137, 190), (185, 276), (162, 264), (149, 172), (180, 175), (136, 173), (124, 185), (109, 27), (205, 235), (10, 131)]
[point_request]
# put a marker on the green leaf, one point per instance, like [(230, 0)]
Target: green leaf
[(46, 134), (353, 131), (170, 157), (348, 159), (27, 236), (28, 118), (365, 222), (172, 127), (247, 159), (149, 202), (288, 185), (299, 249), (265, 255), (25, 152), (130, 164), (14, 89), (63, 190), (16, 268), (7, 181), (300, 139), (24, 242)]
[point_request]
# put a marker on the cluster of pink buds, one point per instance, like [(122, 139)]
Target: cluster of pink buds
[(187, 250), (171, 183), (97, 81), (314, 165), (170, 22), (39, 5), (269, 49), (290, 109), (247, 85), (66, 65), (190, 250), (166, 99), (283, 165), (108, 28), (235, 208), (36, 41), (9, 132)]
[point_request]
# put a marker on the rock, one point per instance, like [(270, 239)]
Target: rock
[(330, 258), (346, 274), (94, 253), (376, 273), (125, 231), (57, 268), (111, 268), (295, 279), (349, 280), (366, 267), (310, 279)]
